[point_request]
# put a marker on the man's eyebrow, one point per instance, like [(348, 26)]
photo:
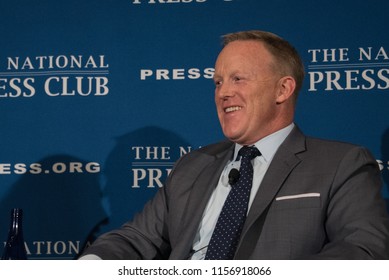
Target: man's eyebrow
[(216, 76)]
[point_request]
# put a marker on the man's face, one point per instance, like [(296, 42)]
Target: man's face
[(246, 91)]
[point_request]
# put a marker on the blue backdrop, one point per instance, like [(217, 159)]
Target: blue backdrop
[(99, 98)]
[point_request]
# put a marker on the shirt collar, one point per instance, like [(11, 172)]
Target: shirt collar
[(269, 145)]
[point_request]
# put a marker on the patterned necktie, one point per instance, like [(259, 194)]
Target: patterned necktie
[(225, 237)]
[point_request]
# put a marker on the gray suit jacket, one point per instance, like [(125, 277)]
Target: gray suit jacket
[(322, 200)]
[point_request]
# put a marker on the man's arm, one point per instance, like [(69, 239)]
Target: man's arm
[(143, 238), (357, 223)]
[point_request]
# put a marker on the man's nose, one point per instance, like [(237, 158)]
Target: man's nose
[(225, 91)]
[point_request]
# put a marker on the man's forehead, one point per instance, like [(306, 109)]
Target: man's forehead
[(240, 56)]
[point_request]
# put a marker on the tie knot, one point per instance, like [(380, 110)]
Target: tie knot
[(248, 152)]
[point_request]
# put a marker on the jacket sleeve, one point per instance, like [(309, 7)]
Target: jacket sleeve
[(357, 221), (145, 237)]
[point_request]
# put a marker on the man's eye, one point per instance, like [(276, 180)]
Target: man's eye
[(218, 83)]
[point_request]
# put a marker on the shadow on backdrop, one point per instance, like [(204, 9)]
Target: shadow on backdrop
[(62, 209), (139, 162)]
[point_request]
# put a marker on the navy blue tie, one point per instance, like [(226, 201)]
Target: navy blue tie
[(225, 237)]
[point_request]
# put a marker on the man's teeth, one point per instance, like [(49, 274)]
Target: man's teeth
[(232, 109)]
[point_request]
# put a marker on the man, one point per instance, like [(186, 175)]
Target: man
[(308, 198)]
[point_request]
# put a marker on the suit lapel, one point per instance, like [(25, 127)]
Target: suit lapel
[(203, 186), (284, 161)]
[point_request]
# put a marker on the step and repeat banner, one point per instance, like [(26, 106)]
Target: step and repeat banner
[(99, 98)]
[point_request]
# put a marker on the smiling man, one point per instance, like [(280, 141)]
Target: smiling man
[(253, 91), (268, 191)]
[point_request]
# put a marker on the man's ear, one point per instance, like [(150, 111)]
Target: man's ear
[(286, 87)]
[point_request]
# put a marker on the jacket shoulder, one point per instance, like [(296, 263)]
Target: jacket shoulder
[(216, 148), (207, 153)]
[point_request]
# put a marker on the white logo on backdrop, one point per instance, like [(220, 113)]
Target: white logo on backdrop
[(62, 75), (383, 164), (37, 168), (176, 74), (137, 2), (152, 164), (344, 69)]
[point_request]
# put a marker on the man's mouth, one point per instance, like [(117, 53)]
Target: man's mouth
[(232, 109)]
